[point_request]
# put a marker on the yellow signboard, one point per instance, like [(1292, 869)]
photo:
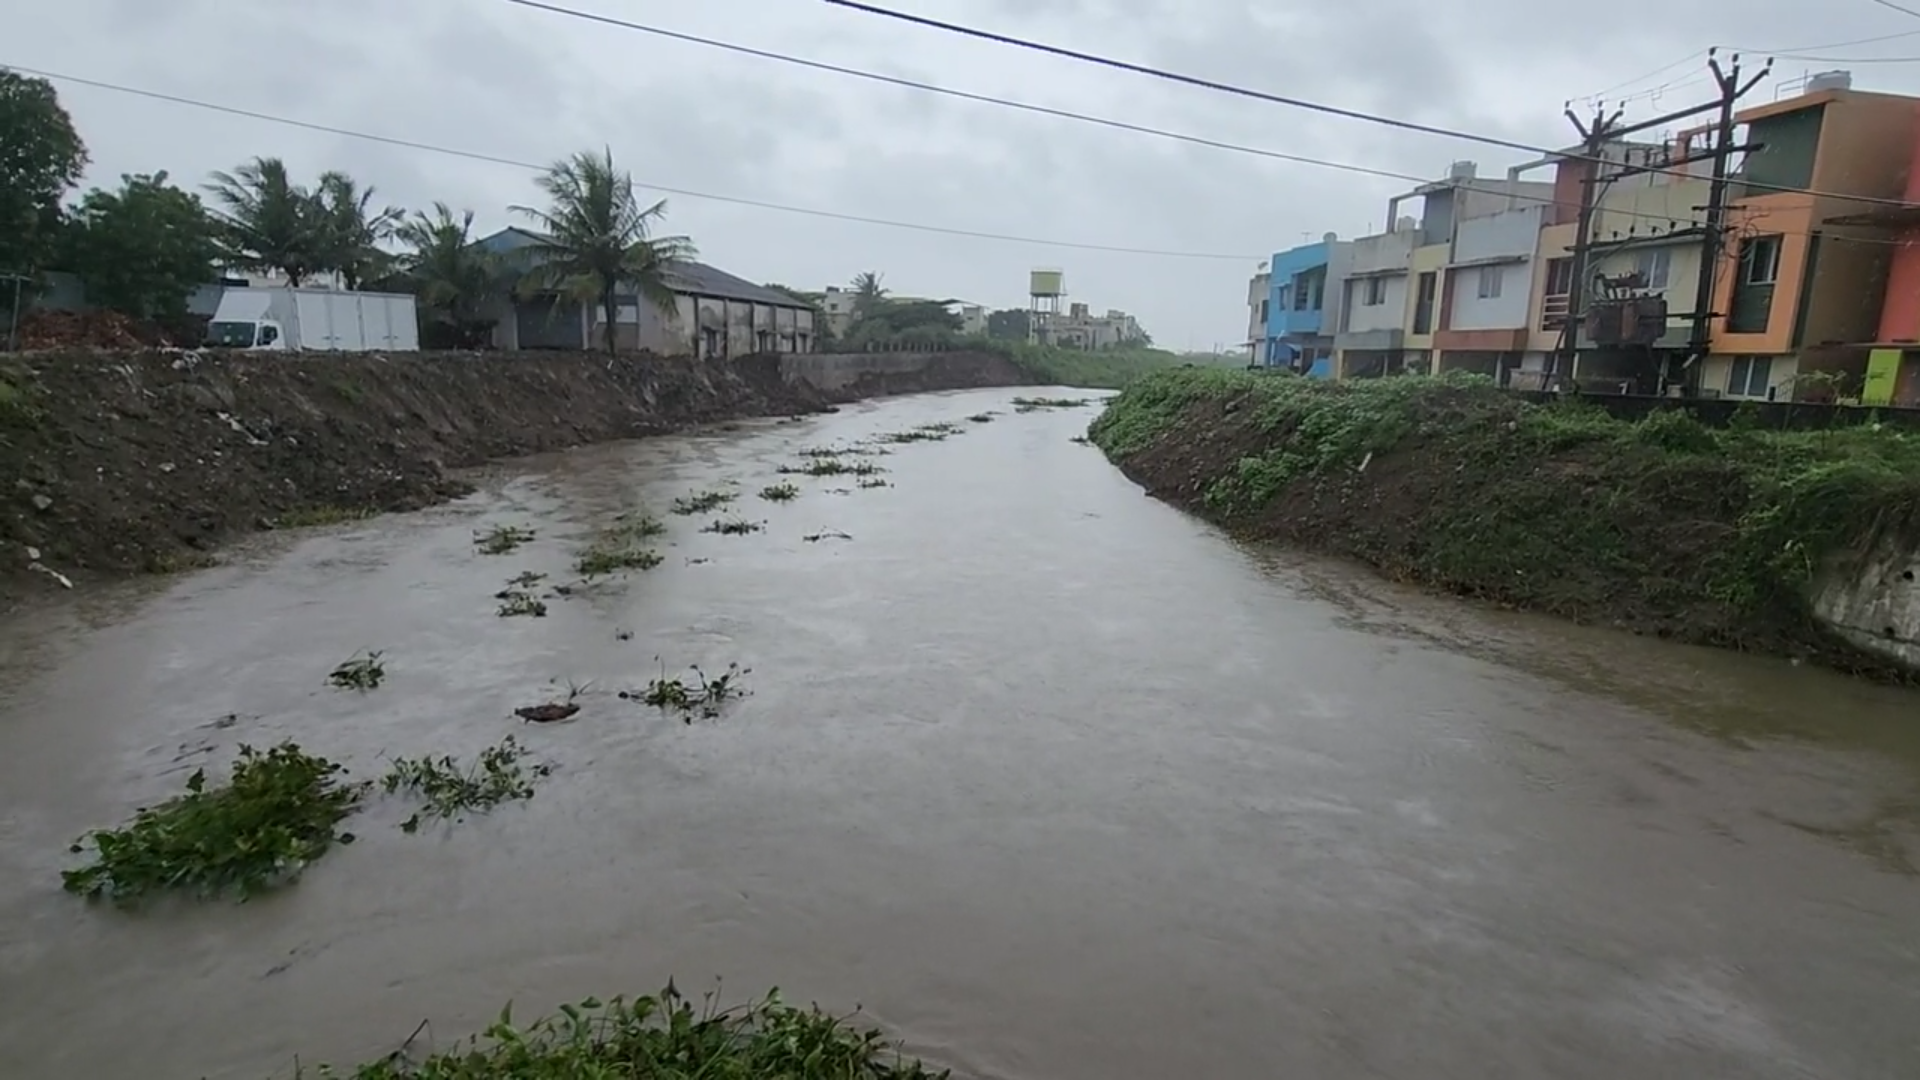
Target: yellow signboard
[(1883, 372)]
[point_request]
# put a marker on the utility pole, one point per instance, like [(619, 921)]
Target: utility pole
[(1593, 143), (1700, 340), (1595, 137)]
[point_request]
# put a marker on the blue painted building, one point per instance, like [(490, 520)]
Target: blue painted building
[(1303, 306)]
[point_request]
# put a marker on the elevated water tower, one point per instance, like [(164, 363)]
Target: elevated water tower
[(1045, 288)]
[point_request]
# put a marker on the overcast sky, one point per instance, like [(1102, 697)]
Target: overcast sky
[(491, 77)]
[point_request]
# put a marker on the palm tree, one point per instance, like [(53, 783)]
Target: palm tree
[(868, 295), (267, 222), (352, 230), (598, 237), (450, 275)]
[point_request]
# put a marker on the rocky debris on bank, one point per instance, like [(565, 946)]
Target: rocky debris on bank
[(146, 460), (1759, 540)]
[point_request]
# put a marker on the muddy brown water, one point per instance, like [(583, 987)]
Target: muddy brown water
[(1052, 779)]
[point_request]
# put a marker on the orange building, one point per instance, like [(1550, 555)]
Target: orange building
[(1804, 268)]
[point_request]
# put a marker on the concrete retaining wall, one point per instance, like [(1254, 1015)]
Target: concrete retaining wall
[(1873, 600), (846, 376)]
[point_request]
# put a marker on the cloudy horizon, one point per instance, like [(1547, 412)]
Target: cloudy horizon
[(503, 80)]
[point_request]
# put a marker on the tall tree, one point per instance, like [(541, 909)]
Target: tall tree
[(453, 279), (599, 237), (268, 222), (41, 159), (352, 230), (142, 249), (868, 294)]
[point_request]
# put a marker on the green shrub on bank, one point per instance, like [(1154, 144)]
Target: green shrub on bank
[(1556, 506), (662, 1037)]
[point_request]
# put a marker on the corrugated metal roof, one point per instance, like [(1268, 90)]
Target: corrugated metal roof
[(692, 278)]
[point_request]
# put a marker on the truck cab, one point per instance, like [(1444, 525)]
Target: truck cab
[(245, 319), (245, 334)]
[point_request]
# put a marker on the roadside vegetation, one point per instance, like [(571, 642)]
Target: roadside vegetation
[(663, 1036), (1663, 525)]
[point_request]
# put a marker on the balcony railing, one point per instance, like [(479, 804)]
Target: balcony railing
[(1553, 311)]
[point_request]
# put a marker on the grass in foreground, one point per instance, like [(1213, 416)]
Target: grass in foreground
[(660, 1037)]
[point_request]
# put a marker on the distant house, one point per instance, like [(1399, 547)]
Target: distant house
[(715, 314)]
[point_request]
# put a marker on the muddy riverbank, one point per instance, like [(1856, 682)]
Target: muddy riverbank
[(1802, 544), (146, 462), (1055, 780)]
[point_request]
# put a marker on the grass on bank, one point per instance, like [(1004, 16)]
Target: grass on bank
[(659, 1037), (1506, 495)]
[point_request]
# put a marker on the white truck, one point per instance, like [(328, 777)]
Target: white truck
[(315, 319)]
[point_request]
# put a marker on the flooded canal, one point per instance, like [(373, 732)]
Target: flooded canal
[(1053, 780)]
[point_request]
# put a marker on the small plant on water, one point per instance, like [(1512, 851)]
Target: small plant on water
[(619, 547), (981, 418), (501, 539), (832, 466), (516, 602), (784, 491), (699, 695), (1026, 404), (362, 671), (701, 502), (734, 527), (451, 791), (873, 482), (275, 814)]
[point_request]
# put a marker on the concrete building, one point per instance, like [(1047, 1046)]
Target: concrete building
[(1079, 328), (1304, 304), (1486, 298), (1807, 271), (1258, 287), (1393, 300), (714, 315)]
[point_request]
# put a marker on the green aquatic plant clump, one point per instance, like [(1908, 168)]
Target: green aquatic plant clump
[(277, 812), (450, 790), (1665, 524), (659, 1037)]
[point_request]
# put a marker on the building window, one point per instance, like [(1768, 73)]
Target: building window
[(1263, 311), (1302, 292), (1559, 277), (1423, 303), (1376, 291), (1281, 296), (1653, 266), (1760, 260), (1750, 376), (1491, 278)]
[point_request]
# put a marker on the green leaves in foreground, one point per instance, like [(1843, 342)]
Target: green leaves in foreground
[(661, 1037), (275, 815)]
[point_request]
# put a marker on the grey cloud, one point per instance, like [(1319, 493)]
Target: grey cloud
[(495, 78)]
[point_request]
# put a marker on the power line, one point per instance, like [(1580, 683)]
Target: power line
[(1826, 45), (495, 159), (1891, 6), (1044, 110), (1299, 103), (1661, 70)]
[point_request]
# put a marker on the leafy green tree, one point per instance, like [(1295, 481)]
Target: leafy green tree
[(454, 280), (918, 322), (1009, 324), (41, 159), (267, 222), (599, 237), (142, 249), (352, 230)]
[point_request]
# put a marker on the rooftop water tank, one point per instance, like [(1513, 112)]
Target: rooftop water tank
[(1463, 170), (1330, 238), (1830, 80), (1406, 224)]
